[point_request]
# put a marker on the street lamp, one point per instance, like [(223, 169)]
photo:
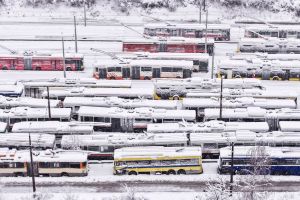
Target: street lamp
[(221, 98), (32, 167)]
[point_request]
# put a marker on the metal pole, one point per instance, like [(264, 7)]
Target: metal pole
[(231, 171), (221, 99), (75, 30), (204, 3), (200, 11), (213, 61), (49, 109), (206, 31), (32, 167), (84, 9), (63, 51)]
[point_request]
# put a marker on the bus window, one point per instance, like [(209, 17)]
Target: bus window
[(75, 165), (146, 69), (111, 69), (118, 69), (177, 69), (166, 69)]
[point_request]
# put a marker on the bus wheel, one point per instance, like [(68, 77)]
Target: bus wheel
[(64, 174), (146, 78), (112, 78), (171, 172), (4, 68), (132, 173), (181, 171), (275, 78), (237, 76), (69, 69), (19, 174), (175, 97), (38, 68)]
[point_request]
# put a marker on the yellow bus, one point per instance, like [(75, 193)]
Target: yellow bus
[(158, 160)]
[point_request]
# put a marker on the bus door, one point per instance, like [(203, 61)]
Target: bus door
[(53, 64), (272, 123), (126, 72), (35, 169), (28, 63), (282, 34), (228, 74), (266, 74), (115, 124), (187, 73), (155, 72), (162, 47), (102, 73), (127, 124), (135, 73), (287, 75)]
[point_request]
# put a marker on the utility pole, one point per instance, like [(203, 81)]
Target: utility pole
[(64, 59), (206, 30), (49, 109), (84, 10), (231, 171), (200, 11), (221, 99), (75, 34), (213, 62), (32, 167)]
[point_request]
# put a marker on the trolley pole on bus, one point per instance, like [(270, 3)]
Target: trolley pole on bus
[(221, 99), (206, 19), (231, 171), (49, 107), (75, 34), (64, 60), (32, 167)]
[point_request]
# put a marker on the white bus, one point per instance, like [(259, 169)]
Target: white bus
[(119, 119), (200, 60), (270, 45), (35, 88), (102, 146), (76, 102), (19, 114), (143, 69), (158, 160), (215, 31), (11, 89), (289, 126), (254, 114), (207, 127), (21, 140), (3, 127), (147, 93), (200, 104), (9, 102), (46, 163), (278, 31)]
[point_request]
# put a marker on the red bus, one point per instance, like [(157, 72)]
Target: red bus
[(173, 45), (41, 62)]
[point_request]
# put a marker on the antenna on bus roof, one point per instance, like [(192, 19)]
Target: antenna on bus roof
[(113, 56), (8, 49)]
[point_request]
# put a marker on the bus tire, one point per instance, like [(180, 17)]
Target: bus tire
[(4, 68), (132, 173), (146, 78), (181, 171), (178, 77), (19, 174), (237, 76), (175, 97), (275, 78), (64, 174), (38, 68), (112, 78), (69, 69), (171, 172)]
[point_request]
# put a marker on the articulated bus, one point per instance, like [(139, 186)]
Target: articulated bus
[(254, 114), (46, 163), (217, 32), (158, 160), (278, 31), (41, 62), (128, 120), (277, 160), (270, 45), (200, 60), (172, 45), (143, 69)]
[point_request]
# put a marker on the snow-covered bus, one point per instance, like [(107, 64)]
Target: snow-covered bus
[(200, 104), (278, 31), (76, 102), (35, 88), (207, 127), (102, 146), (21, 141), (172, 45), (217, 32), (9, 102), (19, 114), (127, 120), (143, 69), (129, 93), (11, 90), (46, 163), (254, 114), (158, 160), (277, 160), (270, 45), (200, 60)]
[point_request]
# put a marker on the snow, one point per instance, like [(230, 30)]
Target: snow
[(40, 140), (7, 102), (287, 126)]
